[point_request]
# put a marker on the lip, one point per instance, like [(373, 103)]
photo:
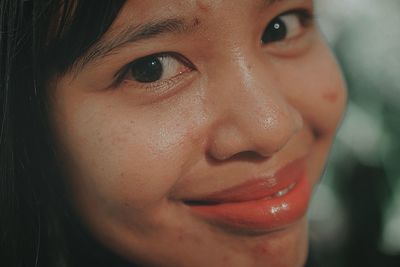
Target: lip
[(258, 204)]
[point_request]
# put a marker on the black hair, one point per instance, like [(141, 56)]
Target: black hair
[(40, 39)]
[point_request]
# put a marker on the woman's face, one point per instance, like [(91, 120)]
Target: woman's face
[(195, 131)]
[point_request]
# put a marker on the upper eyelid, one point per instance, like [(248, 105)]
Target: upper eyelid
[(302, 12), (119, 75), (134, 34), (305, 18), (306, 14)]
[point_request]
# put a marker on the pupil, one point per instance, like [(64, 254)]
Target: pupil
[(274, 32), (147, 70)]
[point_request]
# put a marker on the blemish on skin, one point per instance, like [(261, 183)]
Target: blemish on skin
[(260, 250), (330, 96), (225, 258), (203, 5), (196, 22), (180, 237)]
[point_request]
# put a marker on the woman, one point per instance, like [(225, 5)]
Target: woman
[(163, 133)]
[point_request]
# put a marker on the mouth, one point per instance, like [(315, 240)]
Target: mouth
[(265, 204)]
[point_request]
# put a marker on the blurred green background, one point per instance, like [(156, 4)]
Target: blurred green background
[(355, 214)]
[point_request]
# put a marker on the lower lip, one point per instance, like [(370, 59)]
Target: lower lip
[(263, 214)]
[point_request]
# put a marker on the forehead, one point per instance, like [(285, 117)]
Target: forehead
[(143, 9), (140, 12), (205, 5)]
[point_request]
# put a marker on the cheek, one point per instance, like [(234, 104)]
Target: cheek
[(318, 91), (121, 157)]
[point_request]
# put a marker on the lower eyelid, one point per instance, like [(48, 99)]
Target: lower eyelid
[(158, 90)]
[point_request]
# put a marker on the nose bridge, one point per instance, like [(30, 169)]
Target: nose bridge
[(253, 113)]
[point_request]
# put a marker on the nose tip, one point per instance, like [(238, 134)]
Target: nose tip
[(252, 113), (257, 134)]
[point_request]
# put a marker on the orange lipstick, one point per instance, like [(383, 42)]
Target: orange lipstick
[(262, 203)]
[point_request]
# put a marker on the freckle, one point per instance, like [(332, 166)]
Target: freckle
[(331, 96)]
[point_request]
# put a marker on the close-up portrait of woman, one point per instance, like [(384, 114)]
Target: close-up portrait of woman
[(162, 133)]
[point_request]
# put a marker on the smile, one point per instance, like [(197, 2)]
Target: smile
[(259, 204)]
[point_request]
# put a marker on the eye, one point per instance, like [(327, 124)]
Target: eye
[(155, 68), (286, 26)]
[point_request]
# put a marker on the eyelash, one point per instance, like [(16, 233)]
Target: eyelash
[(305, 19)]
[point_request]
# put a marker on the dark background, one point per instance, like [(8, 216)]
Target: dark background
[(355, 214)]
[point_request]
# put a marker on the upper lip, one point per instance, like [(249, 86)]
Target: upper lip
[(255, 188)]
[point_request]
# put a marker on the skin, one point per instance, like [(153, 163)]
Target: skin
[(133, 152)]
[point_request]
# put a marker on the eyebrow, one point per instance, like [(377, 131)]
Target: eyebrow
[(140, 32), (136, 33)]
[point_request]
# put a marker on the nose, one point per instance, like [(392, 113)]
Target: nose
[(252, 116)]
